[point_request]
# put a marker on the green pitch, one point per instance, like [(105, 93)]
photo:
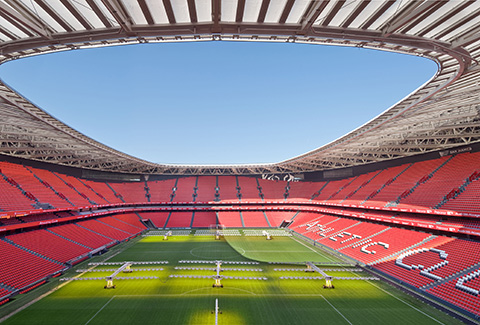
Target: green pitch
[(175, 300)]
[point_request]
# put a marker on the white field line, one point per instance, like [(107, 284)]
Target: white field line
[(338, 311), (55, 289), (323, 255), (283, 251), (42, 296), (105, 305), (406, 303)]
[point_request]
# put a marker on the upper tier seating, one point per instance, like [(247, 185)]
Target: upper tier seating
[(248, 188), (349, 189), (41, 191), (468, 201), (273, 190), (452, 175), (227, 188), (206, 189), (377, 181), (61, 187), (184, 189), (330, 188), (130, 192), (104, 190), (407, 180), (12, 198), (85, 191), (303, 190), (161, 191)]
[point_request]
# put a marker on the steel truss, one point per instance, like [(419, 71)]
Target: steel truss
[(441, 114)]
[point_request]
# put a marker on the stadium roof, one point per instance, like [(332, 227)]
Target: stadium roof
[(442, 113)]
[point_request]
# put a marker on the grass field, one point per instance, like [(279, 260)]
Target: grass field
[(170, 300)]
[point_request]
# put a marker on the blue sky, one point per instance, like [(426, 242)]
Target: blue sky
[(216, 102)]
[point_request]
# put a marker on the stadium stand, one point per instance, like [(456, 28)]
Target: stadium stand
[(466, 201), (41, 191), (406, 183), (130, 192), (204, 219), (228, 188), (103, 190), (81, 235), (376, 183), (206, 189), (33, 268), (467, 300), (450, 176), (330, 188), (180, 220), (159, 219), (49, 244), (255, 219), (131, 219), (103, 229), (60, 187), (301, 190), (184, 189), (161, 191), (350, 188), (275, 218), (84, 191), (121, 225), (273, 190), (230, 219), (12, 198), (448, 184), (248, 188)]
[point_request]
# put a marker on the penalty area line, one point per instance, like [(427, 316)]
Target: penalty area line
[(105, 305)]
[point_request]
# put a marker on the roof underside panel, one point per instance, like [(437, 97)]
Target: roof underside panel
[(441, 114)]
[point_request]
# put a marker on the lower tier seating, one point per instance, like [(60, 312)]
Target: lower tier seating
[(276, 218), (180, 220), (255, 219), (104, 229), (158, 219), (81, 235), (21, 268), (49, 244), (230, 219), (120, 225), (131, 219), (461, 297), (204, 219)]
